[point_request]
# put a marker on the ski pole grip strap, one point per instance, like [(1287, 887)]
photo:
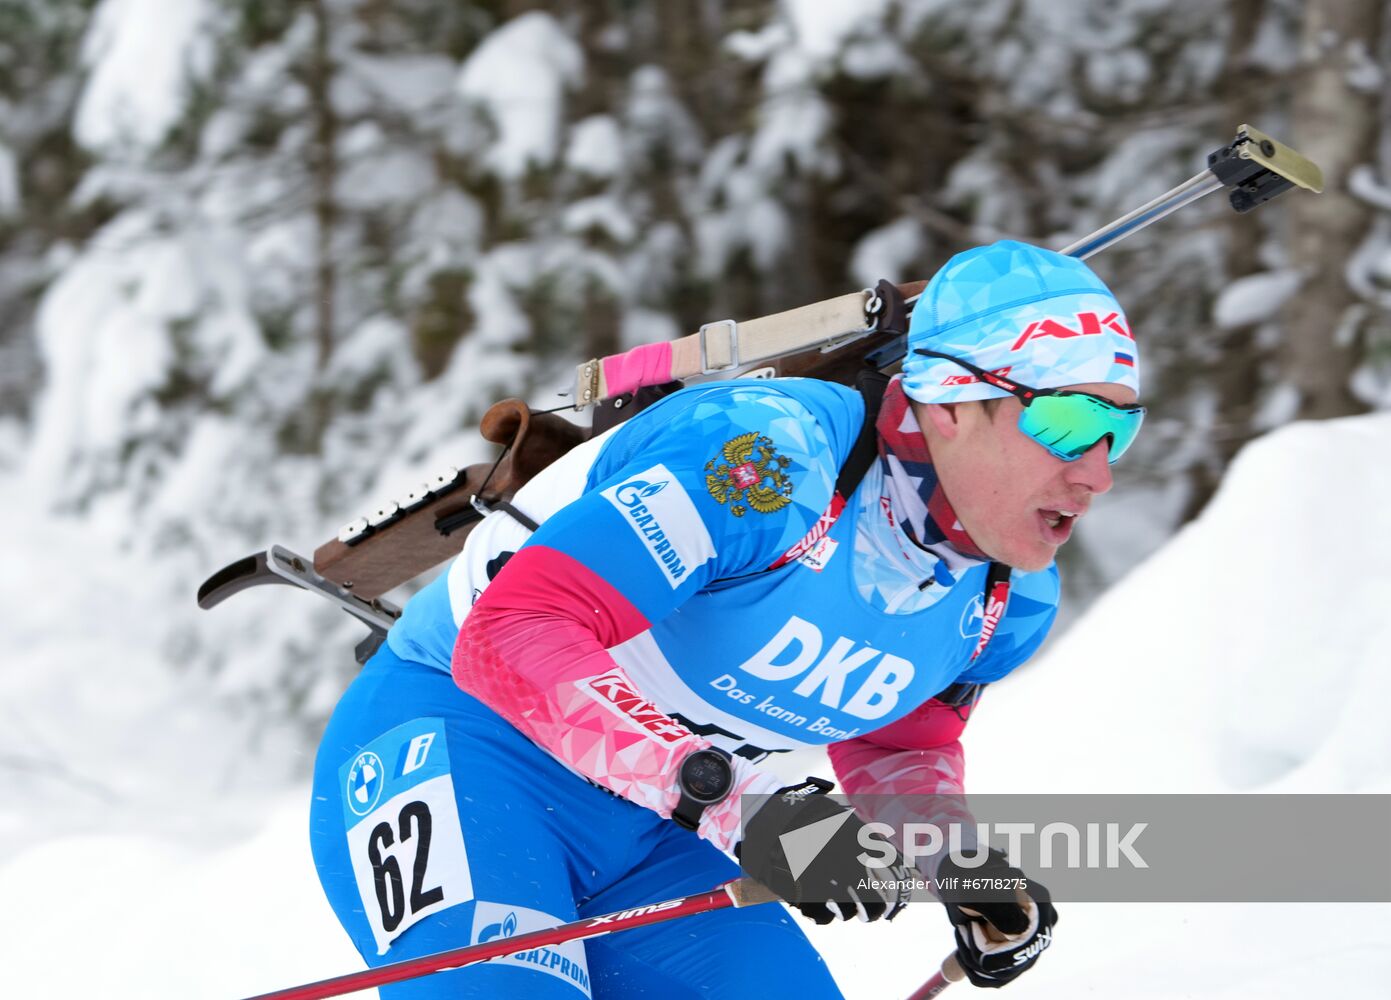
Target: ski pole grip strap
[(723, 346)]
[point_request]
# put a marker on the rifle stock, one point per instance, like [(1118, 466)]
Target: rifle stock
[(433, 531)]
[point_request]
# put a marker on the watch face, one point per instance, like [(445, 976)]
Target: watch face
[(706, 776)]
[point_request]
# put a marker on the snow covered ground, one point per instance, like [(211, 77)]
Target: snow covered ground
[(146, 858)]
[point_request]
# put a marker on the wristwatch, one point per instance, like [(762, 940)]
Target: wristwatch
[(706, 778)]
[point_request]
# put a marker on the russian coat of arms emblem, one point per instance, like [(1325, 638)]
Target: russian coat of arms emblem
[(750, 476)]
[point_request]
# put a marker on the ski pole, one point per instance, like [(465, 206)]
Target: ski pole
[(738, 892), (950, 972)]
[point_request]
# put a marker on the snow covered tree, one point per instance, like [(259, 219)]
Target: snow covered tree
[(1339, 112), (290, 252), (40, 166)]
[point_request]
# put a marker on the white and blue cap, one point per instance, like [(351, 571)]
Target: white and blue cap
[(1034, 316)]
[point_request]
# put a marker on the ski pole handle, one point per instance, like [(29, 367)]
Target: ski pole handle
[(951, 970)]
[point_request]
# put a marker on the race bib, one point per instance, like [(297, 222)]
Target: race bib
[(404, 838)]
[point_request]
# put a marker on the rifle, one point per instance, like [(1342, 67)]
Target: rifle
[(832, 340)]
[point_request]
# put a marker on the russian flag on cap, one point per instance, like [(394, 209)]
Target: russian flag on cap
[(1125, 359)]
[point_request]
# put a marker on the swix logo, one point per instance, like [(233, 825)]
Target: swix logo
[(637, 911), (1088, 325), (968, 379), (615, 692), (994, 611), (1044, 939), (808, 788), (826, 675), (818, 531)]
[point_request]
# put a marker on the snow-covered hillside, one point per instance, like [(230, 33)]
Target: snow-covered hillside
[(1249, 654)]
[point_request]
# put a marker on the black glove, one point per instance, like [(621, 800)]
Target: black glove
[(828, 883), (979, 910)]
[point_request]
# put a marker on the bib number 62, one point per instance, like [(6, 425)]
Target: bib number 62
[(413, 828)]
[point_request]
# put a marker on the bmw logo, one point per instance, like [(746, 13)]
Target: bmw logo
[(365, 782)]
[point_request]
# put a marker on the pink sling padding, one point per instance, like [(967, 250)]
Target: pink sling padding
[(649, 364)]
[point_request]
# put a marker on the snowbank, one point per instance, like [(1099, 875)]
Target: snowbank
[(1249, 654), (135, 916)]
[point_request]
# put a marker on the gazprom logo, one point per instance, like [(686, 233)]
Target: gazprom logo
[(503, 921), (631, 494), (664, 518), (505, 928)]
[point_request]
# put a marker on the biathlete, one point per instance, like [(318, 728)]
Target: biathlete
[(564, 723)]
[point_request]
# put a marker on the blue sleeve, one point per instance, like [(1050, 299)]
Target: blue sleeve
[(711, 482), (1033, 606)]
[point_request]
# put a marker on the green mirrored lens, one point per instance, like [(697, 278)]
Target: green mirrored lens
[(1071, 424)]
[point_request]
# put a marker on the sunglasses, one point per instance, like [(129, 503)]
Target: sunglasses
[(1065, 422)]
